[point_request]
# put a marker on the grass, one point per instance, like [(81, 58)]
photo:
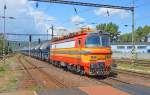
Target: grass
[(10, 85), (134, 67), (35, 87), (3, 69), (8, 78)]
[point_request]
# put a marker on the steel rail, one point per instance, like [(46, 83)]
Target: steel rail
[(58, 83), (143, 75)]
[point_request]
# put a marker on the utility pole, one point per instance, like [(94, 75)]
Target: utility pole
[(4, 31), (52, 35), (4, 47), (8, 44), (30, 39), (52, 31), (47, 35), (133, 52)]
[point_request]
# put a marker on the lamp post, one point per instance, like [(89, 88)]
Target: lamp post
[(52, 31), (4, 32), (52, 35), (47, 34)]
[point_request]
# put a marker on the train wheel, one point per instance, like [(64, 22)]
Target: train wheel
[(82, 72), (59, 66), (75, 69), (78, 68), (113, 74), (68, 67), (49, 62)]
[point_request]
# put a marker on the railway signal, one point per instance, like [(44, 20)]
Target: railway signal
[(39, 41), (37, 4), (30, 39)]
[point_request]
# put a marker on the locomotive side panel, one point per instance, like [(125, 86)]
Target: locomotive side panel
[(67, 51)]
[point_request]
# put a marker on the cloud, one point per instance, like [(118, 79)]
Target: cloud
[(28, 19), (111, 12), (77, 19)]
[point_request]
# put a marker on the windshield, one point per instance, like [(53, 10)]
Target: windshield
[(105, 41), (96, 41)]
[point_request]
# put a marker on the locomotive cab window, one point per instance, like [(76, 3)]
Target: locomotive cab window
[(79, 42), (97, 41)]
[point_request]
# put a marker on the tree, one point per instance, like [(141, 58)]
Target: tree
[(125, 37), (140, 35), (111, 28), (1, 44)]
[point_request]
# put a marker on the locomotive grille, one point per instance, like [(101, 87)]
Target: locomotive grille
[(97, 68)]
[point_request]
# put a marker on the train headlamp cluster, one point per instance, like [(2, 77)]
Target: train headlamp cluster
[(96, 57), (93, 57), (107, 57)]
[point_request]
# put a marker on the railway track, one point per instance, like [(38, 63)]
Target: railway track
[(112, 81), (139, 62), (146, 76), (25, 68), (30, 76), (108, 81), (58, 83)]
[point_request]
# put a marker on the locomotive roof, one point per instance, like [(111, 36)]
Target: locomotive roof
[(82, 32), (100, 32)]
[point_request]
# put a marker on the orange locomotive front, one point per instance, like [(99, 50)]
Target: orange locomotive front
[(85, 52)]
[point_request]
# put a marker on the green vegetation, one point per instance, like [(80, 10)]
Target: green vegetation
[(3, 69), (10, 85), (35, 87), (1, 44), (8, 77), (6, 46), (134, 67), (140, 35), (111, 28)]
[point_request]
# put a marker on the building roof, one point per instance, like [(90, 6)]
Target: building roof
[(130, 43)]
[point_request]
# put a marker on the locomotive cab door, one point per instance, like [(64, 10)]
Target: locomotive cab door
[(80, 67), (79, 49)]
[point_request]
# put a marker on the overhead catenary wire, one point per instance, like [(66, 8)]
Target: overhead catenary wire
[(84, 4), (19, 34)]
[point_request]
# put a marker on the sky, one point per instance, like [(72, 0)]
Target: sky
[(30, 19)]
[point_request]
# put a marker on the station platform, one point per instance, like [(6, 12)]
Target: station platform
[(95, 90)]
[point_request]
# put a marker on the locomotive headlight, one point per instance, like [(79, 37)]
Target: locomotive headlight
[(107, 56), (93, 57)]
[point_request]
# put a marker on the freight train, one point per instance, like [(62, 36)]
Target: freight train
[(84, 52), (40, 51)]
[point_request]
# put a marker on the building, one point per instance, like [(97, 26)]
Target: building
[(148, 37), (140, 47)]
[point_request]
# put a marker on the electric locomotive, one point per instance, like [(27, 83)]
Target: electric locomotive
[(86, 52)]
